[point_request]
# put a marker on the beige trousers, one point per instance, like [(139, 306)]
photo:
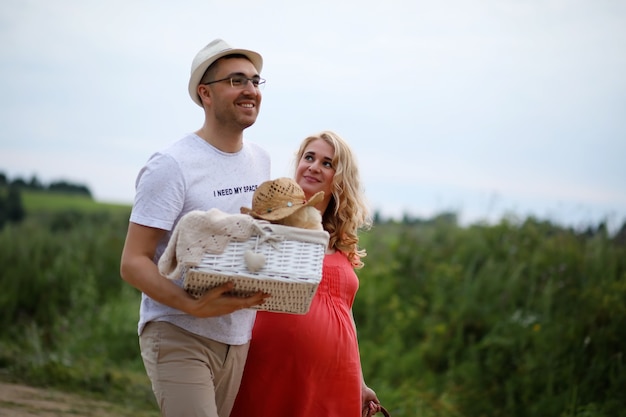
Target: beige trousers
[(191, 376)]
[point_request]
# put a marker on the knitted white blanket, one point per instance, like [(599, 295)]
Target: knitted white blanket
[(198, 232)]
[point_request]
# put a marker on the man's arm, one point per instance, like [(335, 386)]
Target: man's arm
[(138, 269)]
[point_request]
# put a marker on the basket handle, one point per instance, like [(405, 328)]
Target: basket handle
[(367, 413), (384, 411)]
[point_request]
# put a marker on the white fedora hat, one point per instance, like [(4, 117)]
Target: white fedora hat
[(211, 53)]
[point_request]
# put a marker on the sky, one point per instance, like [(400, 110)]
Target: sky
[(489, 109)]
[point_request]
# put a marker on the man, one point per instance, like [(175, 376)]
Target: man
[(194, 350)]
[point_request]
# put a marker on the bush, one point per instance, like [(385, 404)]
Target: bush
[(515, 319), (61, 283), (505, 320)]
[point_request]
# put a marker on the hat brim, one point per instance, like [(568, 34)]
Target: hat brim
[(281, 213), (317, 198), (197, 74)]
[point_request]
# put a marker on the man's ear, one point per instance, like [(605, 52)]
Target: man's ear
[(204, 92)]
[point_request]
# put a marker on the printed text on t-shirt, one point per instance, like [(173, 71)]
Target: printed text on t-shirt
[(234, 190)]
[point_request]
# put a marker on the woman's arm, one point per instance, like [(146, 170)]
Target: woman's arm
[(369, 400)]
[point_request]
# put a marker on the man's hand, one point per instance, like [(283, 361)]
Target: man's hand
[(217, 302)]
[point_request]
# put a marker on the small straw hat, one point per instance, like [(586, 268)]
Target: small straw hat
[(279, 198)]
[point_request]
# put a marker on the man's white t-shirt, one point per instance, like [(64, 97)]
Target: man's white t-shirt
[(193, 175)]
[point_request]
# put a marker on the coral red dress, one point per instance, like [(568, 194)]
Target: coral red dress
[(306, 365)]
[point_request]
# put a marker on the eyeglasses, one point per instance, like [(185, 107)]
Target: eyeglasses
[(240, 81)]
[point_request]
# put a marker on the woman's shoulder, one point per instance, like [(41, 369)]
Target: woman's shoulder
[(336, 257)]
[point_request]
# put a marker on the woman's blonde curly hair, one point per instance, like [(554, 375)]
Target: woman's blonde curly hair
[(347, 211)]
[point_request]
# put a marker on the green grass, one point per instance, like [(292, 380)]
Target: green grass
[(46, 202)]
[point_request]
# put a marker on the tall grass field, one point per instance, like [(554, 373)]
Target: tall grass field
[(521, 318)]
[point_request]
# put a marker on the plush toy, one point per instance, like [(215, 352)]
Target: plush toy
[(282, 201)]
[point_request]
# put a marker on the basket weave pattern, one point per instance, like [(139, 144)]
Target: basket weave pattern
[(291, 272)]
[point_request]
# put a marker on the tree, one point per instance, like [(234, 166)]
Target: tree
[(3, 210), (35, 184), (14, 209), (620, 236)]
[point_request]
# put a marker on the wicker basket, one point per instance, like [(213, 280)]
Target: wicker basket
[(291, 272)]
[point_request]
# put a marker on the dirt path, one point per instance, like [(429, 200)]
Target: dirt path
[(24, 401)]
